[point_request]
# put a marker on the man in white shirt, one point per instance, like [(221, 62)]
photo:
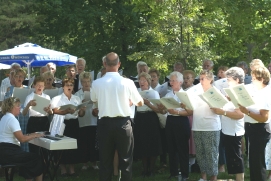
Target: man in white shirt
[(80, 67), (112, 92), (6, 82)]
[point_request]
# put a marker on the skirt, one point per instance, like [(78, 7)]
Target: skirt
[(147, 136), (71, 156)]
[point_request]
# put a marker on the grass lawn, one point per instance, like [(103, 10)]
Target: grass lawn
[(93, 175)]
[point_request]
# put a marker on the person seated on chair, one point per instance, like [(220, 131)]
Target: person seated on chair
[(30, 164)]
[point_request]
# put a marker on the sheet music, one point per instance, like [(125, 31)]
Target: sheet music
[(51, 92), (243, 96), (215, 98), (64, 107), (120, 71), (170, 103), (21, 93), (163, 89), (155, 101), (232, 96), (148, 94), (221, 84), (186, 98), (41, 103), (30, 81), (56, 125), (92, 75), (86, 95)]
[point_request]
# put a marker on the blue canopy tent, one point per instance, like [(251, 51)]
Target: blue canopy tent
[(29, 54)]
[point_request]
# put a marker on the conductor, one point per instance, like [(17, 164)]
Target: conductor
[(112, 92)]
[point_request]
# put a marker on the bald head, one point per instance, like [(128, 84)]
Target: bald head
[(112, 59)]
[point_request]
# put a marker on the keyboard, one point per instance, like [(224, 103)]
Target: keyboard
[(53, 143)]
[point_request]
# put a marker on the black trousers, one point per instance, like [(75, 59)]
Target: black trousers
[(234, 159), (115, 133), (30, 164), (36, 124), (178, 134), (258, 136)]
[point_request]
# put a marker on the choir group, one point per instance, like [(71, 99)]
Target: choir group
[(205, 135)]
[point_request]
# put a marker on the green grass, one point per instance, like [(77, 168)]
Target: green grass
[(93, 175)]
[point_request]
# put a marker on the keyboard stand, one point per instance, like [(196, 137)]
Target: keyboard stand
[(52, 161)]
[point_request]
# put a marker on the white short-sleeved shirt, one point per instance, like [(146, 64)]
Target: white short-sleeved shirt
[(157, 87), (62, 100), (230, 126), (8, 125), (145, 108), (203, 118), (88, 119), (173, 95), (113, 92), (29, 98), (262, 101)]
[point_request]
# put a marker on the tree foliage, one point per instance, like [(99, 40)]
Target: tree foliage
[(159, 32)]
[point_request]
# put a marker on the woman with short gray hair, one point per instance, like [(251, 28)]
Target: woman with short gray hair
[(147, 129), (232, 123)]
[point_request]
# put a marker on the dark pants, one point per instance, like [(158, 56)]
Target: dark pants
[(233, 152), (258, 138), (163, 156), (30, 164), (178, 134), (222, 156), (36, 124), (115, 133)]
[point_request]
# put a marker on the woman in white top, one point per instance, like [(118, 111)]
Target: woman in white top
[(37, 121), (206, 129), (30, 164), (147, 129), (155, 75), (257, 119), (177, 131), (70, 157), (87, 124), (233, 127)]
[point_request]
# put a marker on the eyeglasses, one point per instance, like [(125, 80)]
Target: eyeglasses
[(69, 85), (19, 76)]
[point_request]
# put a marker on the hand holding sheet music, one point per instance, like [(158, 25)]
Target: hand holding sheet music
[(214, 98), (240, 95), (168, 102), (73, 107), (41, 103)]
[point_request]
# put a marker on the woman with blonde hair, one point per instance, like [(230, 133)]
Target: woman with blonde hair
[(257, 119)]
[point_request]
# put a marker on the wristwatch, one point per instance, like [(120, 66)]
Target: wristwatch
[(225, 113), (248, 113)]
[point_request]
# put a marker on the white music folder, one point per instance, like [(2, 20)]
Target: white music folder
[(148, 94), (21, 93), (214, 98), (41, 103), (51, 92), (57, 125)]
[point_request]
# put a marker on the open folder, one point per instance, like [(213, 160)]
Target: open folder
[(41, 103), (214, 98), (148, 94), (64, 107), (239, 95), (168, 102), (21, 93), (186, 98)]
